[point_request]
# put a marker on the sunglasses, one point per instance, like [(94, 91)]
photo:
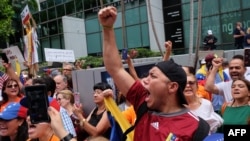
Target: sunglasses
[(11, 86), (191, 82), (67, 70), (58, 99)]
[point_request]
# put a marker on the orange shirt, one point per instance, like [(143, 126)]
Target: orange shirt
[(130, 115), (16, 100), (53, 138)]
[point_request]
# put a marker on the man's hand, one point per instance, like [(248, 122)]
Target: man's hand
[(107, 16), (168, 46), (217, 62)]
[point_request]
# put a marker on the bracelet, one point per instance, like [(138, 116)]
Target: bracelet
[(107, 27), (82, 122), (67, 138)]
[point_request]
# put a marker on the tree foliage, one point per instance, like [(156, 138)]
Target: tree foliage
[(6, 14)]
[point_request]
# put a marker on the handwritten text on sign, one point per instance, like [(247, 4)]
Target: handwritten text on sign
[(59, 55)]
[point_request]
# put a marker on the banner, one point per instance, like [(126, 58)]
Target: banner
[(59, 55)]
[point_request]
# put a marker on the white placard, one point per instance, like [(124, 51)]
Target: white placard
[(59, 55), (14, 53), (25, 15)]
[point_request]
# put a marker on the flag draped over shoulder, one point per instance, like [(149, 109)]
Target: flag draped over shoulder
[(3, 77)]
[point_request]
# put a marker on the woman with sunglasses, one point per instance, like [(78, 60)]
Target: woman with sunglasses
[(199, 106), (13, 125), (97, 123), (10, 93)]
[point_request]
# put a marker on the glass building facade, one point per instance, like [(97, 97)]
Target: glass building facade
[(218, 15)]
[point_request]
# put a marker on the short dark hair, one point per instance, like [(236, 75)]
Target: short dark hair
[(102, 86), (238, 56), (48, 81)]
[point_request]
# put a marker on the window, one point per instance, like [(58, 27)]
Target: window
[(43, 16), (211, 23), (53, 27), (186, 11), (60, 27), (245, 19), (43, 5), (50, 3), (70, 7), (52, 13), (145, 34), (227, 25), (45, 43), (134, 36), (94, 43), (60, 10), (229, 5), (36, 17), (210, 7), (79, 5), (44, 30), (119, 39), (55, 42), (143, 14), (58, 2), (132, 16), (245, 4), (92, 26)]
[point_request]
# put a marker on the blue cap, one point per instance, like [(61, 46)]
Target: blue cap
[(12, 111)]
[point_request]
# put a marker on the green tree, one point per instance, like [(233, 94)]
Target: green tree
[(6, 15)]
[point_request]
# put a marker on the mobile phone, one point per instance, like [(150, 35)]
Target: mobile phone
[(38, 103), (247, 56), (77, 98), (125, 54), (4, 57)]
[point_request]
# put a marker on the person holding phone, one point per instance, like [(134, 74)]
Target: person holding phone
[(66, 99), (40, 130), (97, 122), (51, 86)]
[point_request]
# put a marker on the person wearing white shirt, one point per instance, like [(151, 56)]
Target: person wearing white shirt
[(237, 70)]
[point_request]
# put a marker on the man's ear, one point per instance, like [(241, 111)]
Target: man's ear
[(49, 93)]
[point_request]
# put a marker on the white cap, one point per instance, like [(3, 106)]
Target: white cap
[(209, 32), (203, 61)]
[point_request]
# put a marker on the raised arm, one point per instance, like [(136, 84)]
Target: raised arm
[(131, 68), (168, 47), (210, 81), (11, 73), (111, 57)]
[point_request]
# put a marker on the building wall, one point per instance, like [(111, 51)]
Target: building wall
[(219, 16), (74, 35), (158, 23), (171, 19)]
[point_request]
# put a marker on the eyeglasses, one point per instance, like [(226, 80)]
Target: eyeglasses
[(11, 86), (191, 83), (58, 99), (97, 92), (67, 70)]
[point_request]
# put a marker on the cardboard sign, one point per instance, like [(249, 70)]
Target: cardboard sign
[(59, 55), (14, 54), (25, 14)]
